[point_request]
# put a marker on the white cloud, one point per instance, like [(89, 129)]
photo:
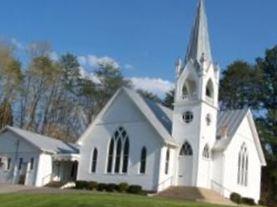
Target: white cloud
[(94, 61), (54, 56), (129, 67), (17, 44), (155, 85), (88, 75)]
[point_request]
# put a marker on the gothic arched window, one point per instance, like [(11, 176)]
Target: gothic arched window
[(206, 151), (167, 158), (189, 89), (210, 89), (118, 155), (125, 156), (94, 160), (143, 160), (110, 156), (242, 176), (186, 150)]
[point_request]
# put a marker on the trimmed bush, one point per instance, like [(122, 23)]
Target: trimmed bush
[(122, 187), (92, 185), (248, 201), (80, 184), (101, 186), (111, 187), (135, 189), (235, 197)]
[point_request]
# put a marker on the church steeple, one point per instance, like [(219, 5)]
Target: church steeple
[(199, 45)]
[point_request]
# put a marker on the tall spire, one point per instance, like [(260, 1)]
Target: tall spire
[(199, 45)]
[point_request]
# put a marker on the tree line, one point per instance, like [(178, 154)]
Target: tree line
[(54, 98)]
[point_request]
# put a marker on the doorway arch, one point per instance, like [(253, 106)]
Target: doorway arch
[(185, 165)]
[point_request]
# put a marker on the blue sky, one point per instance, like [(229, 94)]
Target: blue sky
[(144, 37)]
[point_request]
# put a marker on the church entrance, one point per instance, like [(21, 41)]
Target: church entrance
[(185, 165)]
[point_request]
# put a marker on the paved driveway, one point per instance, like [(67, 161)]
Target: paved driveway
[(7, 188)]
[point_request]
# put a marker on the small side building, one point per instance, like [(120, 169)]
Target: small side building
[(31, 159)]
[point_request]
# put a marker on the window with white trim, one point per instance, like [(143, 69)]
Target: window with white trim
[(206, 152), (167, 159), (118, 154), (242, 175), (143, 160), (94, 160)]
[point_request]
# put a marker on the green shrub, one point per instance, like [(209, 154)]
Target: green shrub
[(92, 185), (111, 187), (248, 201), (101, 186), (122, 187), (80, 184), (135, 189), (235, 197)]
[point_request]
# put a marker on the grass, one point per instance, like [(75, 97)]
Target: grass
[(91, 200)]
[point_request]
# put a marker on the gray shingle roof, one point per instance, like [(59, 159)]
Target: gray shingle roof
[(230, 119), (44, 143)]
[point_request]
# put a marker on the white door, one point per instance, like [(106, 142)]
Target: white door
[(185, 171)]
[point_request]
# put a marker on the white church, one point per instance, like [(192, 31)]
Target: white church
[(138, 141)]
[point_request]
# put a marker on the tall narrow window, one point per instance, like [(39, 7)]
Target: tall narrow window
[(20, 163), (118, 156), (32, 163), (94, 160), (242, 175), (9, 163), (110, 156), (125, 156), (167, 161), (206, 152), (143, 160), (209, 89)]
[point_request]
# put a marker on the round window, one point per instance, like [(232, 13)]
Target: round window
[(188, 116)]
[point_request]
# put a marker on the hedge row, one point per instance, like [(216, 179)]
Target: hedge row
[(236, 198), (122, 187)]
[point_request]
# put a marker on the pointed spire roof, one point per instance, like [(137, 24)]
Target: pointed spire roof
[(199, 44)]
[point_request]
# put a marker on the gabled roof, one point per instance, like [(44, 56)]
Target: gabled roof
[(44, 143), (159, 116), (231, 120)]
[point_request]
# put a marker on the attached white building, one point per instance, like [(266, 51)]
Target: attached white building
[(32, 159), (141, 142)]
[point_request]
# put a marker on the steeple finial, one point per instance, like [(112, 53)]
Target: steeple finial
[(199, 45)]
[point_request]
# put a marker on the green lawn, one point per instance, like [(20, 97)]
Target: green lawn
[(90, 200)]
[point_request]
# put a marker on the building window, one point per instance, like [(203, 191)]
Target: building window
[(186, 150), (118, 150), (9, 163), (143, 160), (32, 163), (188, 117), (118, 156), (206, 152), (242, 176), (125, 156), (110, 157), (167, 161), (20, 163), (94, 160), (208, 119), (209, 89)]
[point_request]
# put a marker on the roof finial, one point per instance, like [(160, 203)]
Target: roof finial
[(199, 45)]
